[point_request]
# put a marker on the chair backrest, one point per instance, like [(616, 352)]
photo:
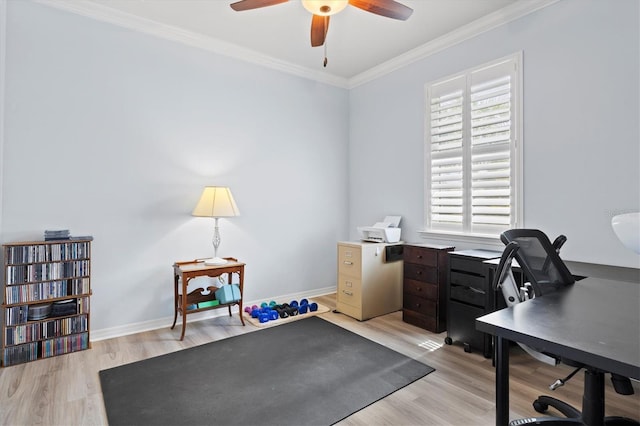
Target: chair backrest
[(539, 260)]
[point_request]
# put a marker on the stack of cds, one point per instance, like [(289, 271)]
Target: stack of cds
[(56, 235), (63, 308), (38, 312)]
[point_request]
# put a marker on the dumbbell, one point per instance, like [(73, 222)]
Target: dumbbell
[(292, 311), (255, 313), (272, 303), (294, 303), (247, 310), (282, 312), (273, 314), (263, 317), (304, 302), (264, 305), (313, 307), (303, 309)]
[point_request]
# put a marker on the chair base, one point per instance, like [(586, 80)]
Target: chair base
[(552, 421), (592, 407)]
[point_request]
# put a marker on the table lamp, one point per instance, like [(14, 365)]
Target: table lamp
[(216, 202)]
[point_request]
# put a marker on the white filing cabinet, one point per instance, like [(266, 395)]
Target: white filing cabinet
[(368, 286)]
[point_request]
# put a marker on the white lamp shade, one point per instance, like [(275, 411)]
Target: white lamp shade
[(324, 7), (216, 201)]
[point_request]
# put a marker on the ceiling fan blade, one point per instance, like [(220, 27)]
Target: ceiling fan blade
[(254, 4), (319, 29), (388, 8)]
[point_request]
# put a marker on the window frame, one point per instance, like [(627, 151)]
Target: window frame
[(516, 155)]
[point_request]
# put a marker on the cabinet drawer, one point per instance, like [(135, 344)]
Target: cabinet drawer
[(419, 305), (421, 289), (349, 291), (417, 272), (423, 321), (420, 255), (474, 266), (468, 280), (469, 295), (462, 327), (349, 260)]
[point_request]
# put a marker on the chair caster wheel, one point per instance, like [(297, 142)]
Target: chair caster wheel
[(448, 340), (540, 407)]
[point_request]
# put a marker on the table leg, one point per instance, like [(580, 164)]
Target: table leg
[(241, 285), (502, 381), (175, 301), (184, 307)]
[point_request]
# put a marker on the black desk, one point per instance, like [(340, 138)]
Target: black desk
[(594, 321)]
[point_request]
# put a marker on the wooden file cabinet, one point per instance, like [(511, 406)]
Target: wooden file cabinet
[(368, 284), (425, 286)]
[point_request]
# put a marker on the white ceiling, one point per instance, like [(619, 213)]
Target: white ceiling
[(357, 41)]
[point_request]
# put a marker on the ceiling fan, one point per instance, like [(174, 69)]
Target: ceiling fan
[(323, 9)]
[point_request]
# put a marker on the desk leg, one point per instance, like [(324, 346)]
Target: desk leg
[(593, 398), (175, 301), (502, 381)]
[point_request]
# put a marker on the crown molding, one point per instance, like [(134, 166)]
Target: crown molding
[(126, 20), (473, 29)]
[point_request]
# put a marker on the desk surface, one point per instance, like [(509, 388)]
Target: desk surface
[(594, 321)]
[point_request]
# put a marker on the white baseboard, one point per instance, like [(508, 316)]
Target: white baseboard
[(139, 327)]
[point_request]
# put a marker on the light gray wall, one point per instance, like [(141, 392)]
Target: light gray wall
[(113, 133), (581, 127)]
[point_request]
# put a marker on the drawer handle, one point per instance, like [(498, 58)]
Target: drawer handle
[(348, 293), (346, 262)]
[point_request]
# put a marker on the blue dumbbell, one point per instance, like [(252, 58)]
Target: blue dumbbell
[(303, 309), (294, 303), (273, 315), (255, 313), (313, 307), (264, 317)]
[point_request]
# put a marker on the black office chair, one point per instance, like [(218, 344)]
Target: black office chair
[(542, 266)]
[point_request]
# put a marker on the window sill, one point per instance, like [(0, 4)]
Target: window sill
[(485, 241)]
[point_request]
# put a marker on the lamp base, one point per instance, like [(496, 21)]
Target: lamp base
[(215, 261)]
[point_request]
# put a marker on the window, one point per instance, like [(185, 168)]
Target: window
[(473, 150)]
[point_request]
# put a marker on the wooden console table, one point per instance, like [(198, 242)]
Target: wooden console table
[(185, 271)]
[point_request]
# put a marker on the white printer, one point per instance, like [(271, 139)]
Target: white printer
[(387, 231)]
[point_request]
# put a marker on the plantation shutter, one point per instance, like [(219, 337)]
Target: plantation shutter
[(491, 148), (471, 151), (445, 156)]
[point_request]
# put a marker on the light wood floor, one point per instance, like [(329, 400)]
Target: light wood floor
[(65, 390)]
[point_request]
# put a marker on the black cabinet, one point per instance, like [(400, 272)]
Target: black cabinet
[(470, 296)]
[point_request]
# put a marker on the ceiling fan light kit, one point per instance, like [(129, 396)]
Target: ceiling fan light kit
[(323, 9)]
